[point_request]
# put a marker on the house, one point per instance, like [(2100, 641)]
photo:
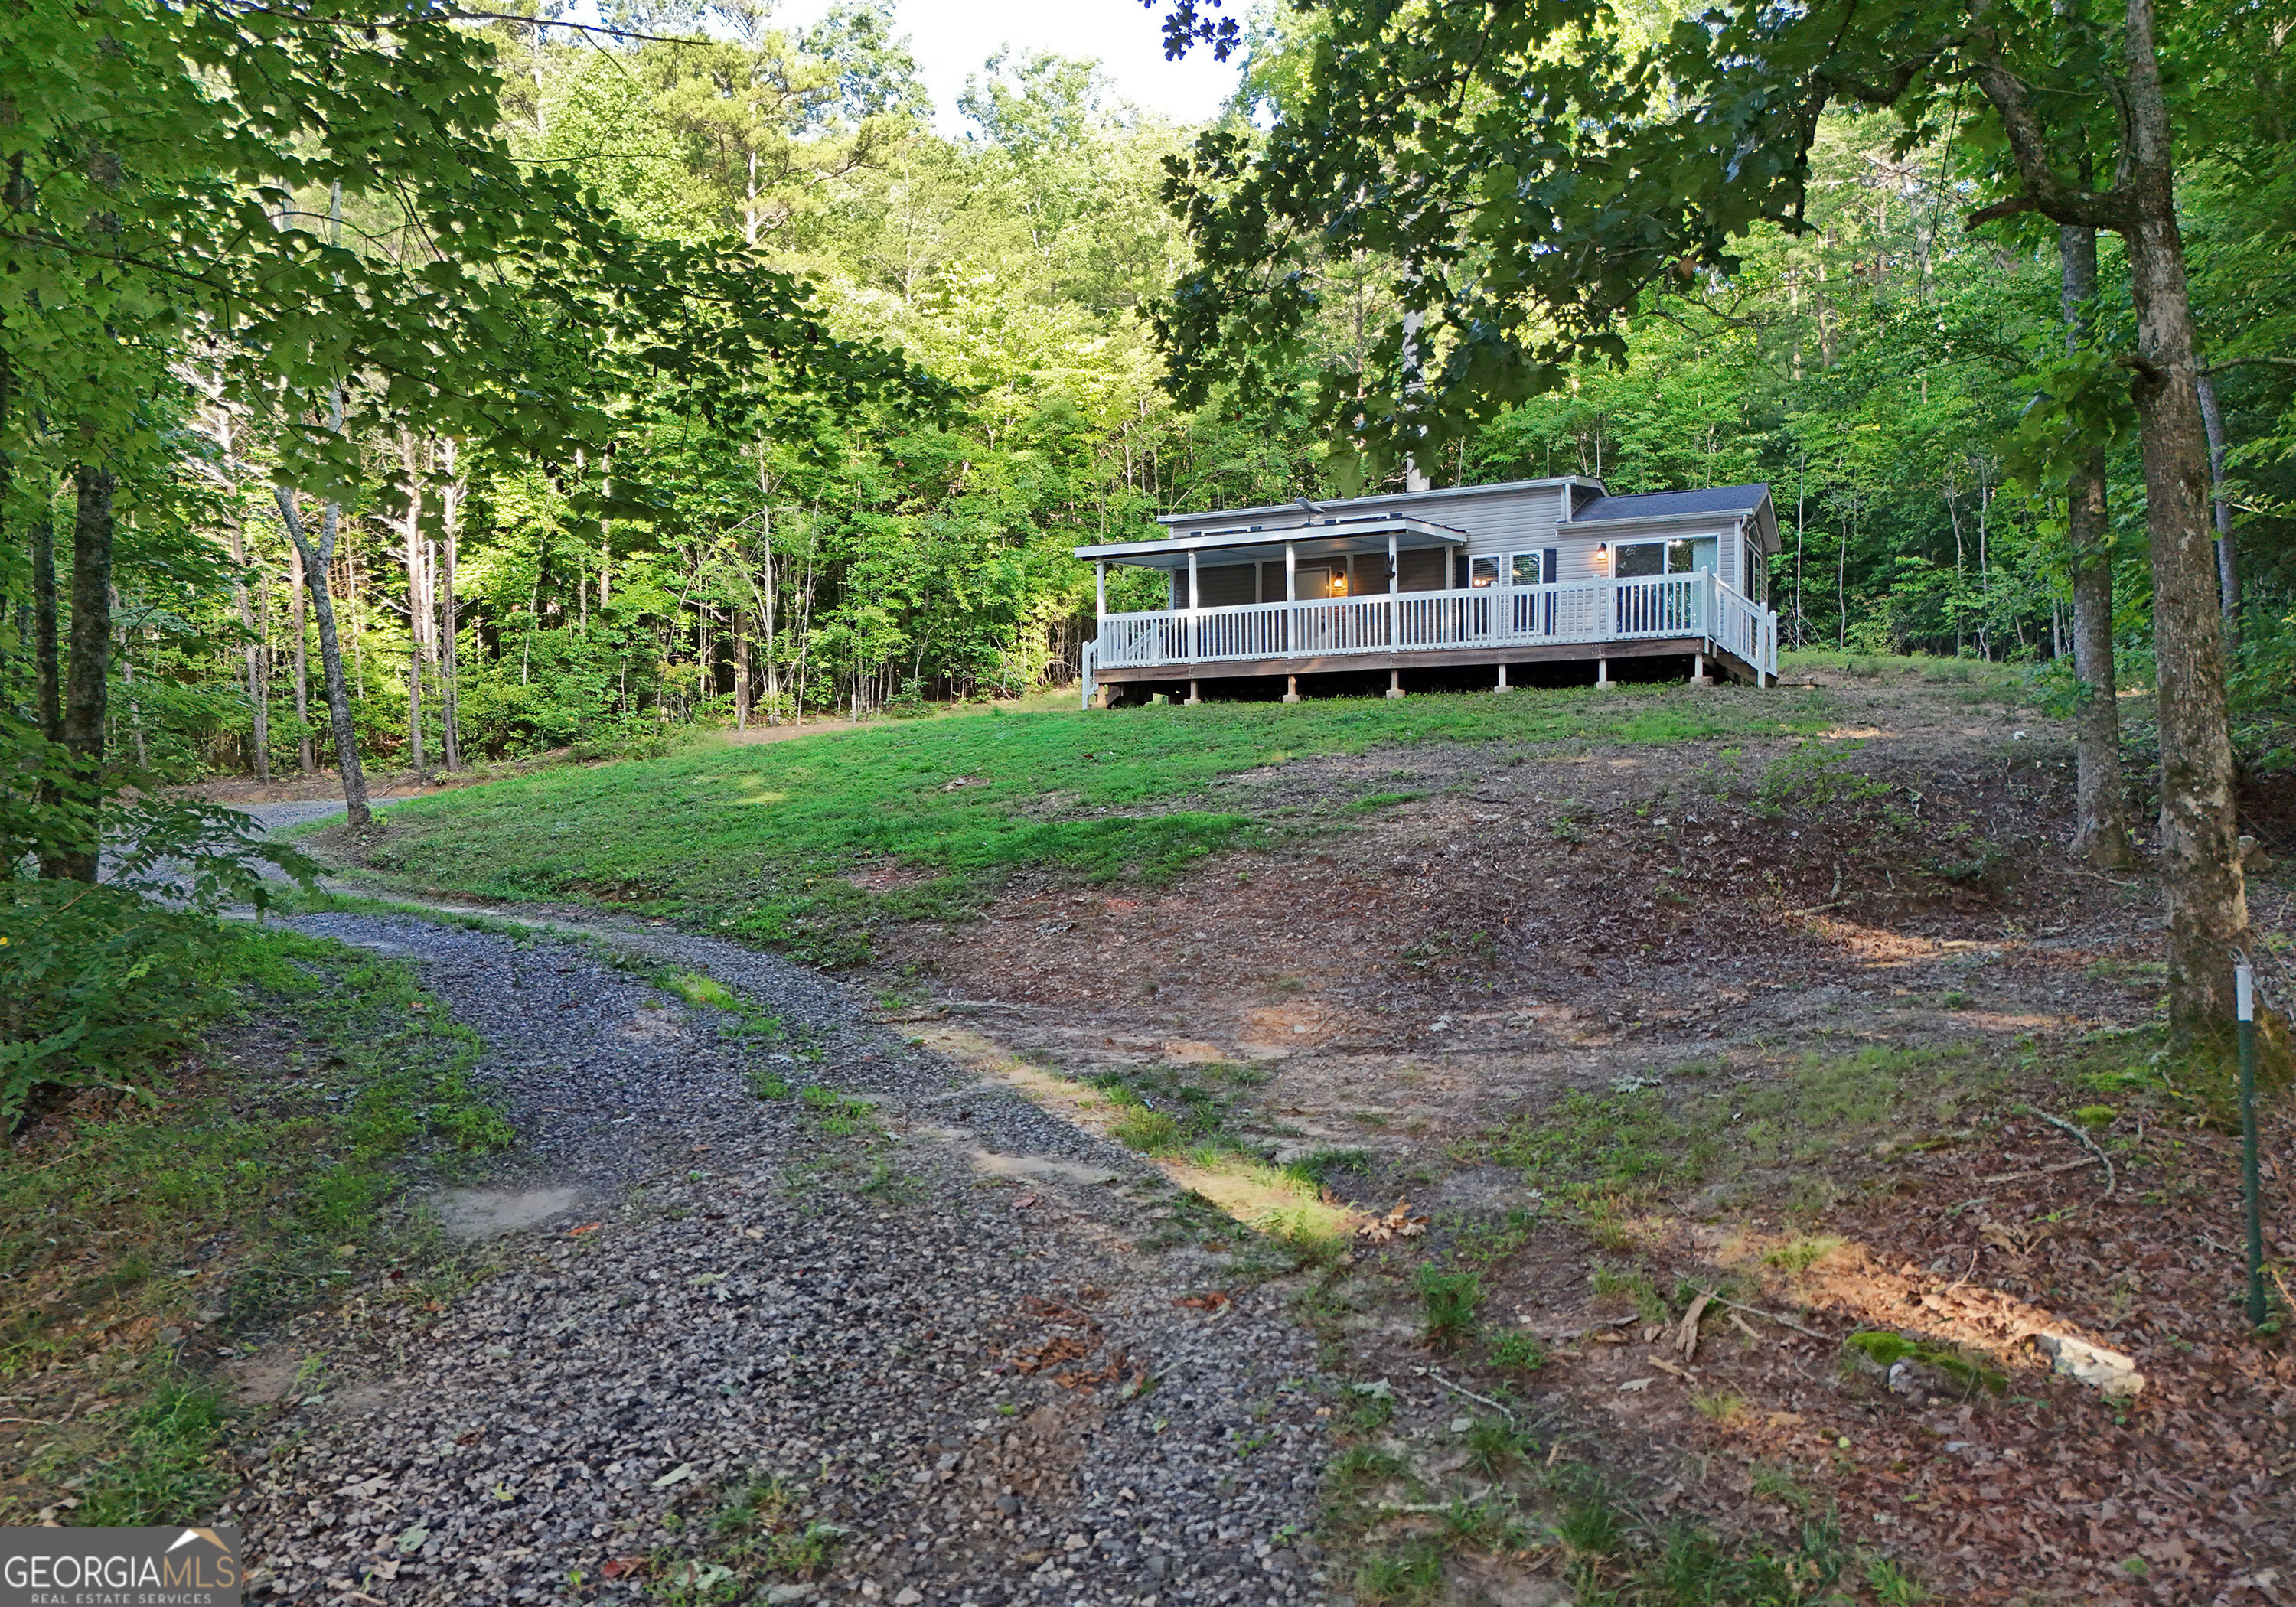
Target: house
[(1531, 571)]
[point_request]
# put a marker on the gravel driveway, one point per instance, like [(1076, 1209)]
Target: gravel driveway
[(833, 1353)]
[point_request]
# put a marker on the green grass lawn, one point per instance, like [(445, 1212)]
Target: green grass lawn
[(760, 842)]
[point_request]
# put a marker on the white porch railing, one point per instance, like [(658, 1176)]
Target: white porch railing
[(1590, 611)]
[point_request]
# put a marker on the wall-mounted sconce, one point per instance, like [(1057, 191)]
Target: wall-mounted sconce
[(1601, 557)]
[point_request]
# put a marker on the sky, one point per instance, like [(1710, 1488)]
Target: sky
[(951, 38)]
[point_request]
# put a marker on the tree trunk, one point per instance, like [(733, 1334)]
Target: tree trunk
[(449, 626), (48, 673), (259, 703), (48, 677), (605, 534), (418, 608), (307, 758), (2227, 550), (2100, 789), (331, 652), (90, 669), (740, 668), (2206, 894)]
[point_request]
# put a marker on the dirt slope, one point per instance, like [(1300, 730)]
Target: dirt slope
[(1771, 1019)]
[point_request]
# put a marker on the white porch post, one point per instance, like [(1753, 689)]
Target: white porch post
[(1100, 585), (1501, 686), (1394, 606), (1291, 636), (1196, 626)]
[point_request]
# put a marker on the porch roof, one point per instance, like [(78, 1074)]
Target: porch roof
[(1327, 537)]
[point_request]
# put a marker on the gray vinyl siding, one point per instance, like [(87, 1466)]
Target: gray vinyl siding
[(1495, 526), (1421, 571), (1223, 585)]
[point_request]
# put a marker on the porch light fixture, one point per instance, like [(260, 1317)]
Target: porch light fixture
[(1602, 556)]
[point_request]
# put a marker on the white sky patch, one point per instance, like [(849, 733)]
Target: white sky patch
[(951, 38)]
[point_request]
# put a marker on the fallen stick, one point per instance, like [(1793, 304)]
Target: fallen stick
[(1773, 1316), (2063, 1166), (1471, 1394), (2102, 1160)]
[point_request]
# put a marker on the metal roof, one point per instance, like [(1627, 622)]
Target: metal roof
[(1645, 504), (1381, 498), (1326, 537)]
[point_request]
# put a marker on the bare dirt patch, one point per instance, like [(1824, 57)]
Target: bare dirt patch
[(1466, 940)]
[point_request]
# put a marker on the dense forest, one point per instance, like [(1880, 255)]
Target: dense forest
[(497, 593)]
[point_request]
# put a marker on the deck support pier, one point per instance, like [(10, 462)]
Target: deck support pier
[(1193, 697), (1698, 675), (1291, 689), (1501, 686), (1395, 682), (1602, 672)]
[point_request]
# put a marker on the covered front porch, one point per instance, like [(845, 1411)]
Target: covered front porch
[(1432, 605)]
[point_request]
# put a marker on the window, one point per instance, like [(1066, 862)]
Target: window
[(1642, 559), (1647, 558), (1531, 568), (1485, 572)]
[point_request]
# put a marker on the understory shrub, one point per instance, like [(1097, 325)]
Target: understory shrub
[(98, 988)]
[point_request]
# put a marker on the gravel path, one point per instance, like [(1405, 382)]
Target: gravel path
[(941, 1386)]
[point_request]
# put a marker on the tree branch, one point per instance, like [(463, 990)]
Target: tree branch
[(1998, 210), (2045, 192), (2243, 362)]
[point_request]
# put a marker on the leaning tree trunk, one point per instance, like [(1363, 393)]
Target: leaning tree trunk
[(2100, 789), (316, 562), (2207, 898), (91, 667), (2227, 548), (307, 757)]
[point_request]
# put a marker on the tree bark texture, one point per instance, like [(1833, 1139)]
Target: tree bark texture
[(2227, 549), (307, 758), (89, 672), (331, 652), (2207, 895), (2100, 789)]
